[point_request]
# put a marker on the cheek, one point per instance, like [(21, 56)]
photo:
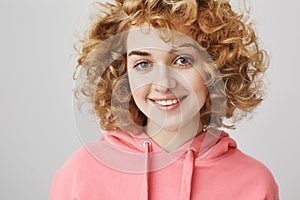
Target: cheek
[(201, 92), (140, 95), (199, 89)]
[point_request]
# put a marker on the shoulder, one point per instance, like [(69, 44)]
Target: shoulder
[(81, 169), (255, 174), (83, 159), (251, 165), (240, 163), (78, 162)]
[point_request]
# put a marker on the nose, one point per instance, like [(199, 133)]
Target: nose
[(165, 79)]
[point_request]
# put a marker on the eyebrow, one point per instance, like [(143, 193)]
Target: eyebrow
[(139, 53), (143, 53)]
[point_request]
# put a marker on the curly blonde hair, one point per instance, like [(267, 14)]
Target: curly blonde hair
[(224, 34)]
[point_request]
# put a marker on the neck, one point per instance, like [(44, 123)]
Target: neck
[(171, 140)]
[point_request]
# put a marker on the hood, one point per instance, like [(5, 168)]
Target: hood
[(210, 144), (134, 153)]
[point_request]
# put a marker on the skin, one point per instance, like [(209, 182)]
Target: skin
[(169, 73)]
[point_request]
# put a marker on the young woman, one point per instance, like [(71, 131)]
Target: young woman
[(162, 76)]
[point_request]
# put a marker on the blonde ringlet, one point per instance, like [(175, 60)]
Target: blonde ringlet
[(225, 35)]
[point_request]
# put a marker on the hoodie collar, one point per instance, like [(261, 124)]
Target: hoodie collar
[(129, 152), (207, 145)]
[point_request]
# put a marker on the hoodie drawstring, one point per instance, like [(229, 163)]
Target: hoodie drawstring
[(186, 183), (187, 175), (147, 146)]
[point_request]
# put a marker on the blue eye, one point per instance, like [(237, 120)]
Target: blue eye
[(142, 66), (184, 61)]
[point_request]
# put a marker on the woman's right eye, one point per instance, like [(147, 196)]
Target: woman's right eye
[(142, 66)]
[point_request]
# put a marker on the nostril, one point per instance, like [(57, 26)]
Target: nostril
[(173, 83), (161, 87), (165, 85)]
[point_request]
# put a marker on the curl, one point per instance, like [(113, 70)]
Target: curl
[(227, 37)]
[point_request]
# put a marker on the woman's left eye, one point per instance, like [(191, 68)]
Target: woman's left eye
[(183, 61)]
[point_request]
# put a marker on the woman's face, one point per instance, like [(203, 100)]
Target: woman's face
[(167, 79)]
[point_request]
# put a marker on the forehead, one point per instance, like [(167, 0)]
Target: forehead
[(151, 38)]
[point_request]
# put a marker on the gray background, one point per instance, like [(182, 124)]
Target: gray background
[(36, 120)]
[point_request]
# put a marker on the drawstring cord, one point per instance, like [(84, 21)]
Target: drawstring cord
[(147, 146), (186, 183), (187, 175)]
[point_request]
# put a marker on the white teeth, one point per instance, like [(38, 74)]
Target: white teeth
[(166, 102)]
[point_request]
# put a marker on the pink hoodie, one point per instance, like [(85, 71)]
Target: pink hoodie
[(121, 166)]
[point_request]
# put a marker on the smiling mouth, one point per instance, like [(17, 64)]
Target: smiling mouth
[(168, 102)]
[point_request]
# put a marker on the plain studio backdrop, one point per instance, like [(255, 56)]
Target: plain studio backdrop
[(36, 119)]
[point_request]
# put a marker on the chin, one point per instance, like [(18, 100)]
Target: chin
[(172, 126)]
